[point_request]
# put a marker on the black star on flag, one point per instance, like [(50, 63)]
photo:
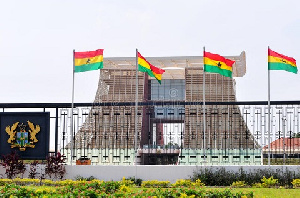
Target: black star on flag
[(219, 64), (284, 61), (88, 61)]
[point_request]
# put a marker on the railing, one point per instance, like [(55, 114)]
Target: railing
[(171, 132)]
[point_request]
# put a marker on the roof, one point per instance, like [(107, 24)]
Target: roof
[(174, 66), (290, 143)]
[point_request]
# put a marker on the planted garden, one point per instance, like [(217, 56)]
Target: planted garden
[(203, 183)]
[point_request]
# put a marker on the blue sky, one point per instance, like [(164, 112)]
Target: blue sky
[(37, 39)]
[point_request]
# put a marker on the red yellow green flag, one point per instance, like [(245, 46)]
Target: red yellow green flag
[(87, 61), (215, 63), (145, 66), (278, 61)]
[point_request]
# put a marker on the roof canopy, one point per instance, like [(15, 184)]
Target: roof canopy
[(174, 66)]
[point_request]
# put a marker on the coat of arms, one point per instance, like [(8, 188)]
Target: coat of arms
[(19, 135)]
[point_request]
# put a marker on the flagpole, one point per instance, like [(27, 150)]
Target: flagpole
[(72, 107), (204, 128), (136, 104), (269, 116)]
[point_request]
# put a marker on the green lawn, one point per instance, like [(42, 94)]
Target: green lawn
[(268, 192), (258, 192)]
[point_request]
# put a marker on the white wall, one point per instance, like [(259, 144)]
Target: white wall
[(170, 172)]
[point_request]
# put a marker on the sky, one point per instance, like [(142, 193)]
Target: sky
[(37, 39)]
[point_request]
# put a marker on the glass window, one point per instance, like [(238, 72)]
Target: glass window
[(168, 90)]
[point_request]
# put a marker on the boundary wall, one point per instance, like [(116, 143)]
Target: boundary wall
[(162, 173)]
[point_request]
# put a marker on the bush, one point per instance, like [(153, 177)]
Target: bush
[(13, 165), (137, 182), (198, 183), (187, 183), (124, 188), (24, 182), (90, 178), (97, 188), (296, 183), (5, 181), (155, 184), (238, 184), (127, 182), (13, 190), (182, 183), (33, 169), (111, 186), (266, 183), (55, 167), (221, 177), (269, 182)]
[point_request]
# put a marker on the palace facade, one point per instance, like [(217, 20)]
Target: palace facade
[(170, 116)]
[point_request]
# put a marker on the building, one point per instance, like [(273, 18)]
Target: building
[(283, 147), (170, 127)]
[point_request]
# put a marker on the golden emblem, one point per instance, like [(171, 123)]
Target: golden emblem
[(11, 132), (18, 135), (33, 131)]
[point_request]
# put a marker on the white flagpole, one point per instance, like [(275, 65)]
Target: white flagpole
[(72, 107), (136, 103), (269, 115), (204, 124)]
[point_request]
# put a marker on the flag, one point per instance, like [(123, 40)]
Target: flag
[(145, 66), (217, 64), (87, 61), (278, 61)]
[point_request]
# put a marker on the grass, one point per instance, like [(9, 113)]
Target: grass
[(268, 192), (258, 192)]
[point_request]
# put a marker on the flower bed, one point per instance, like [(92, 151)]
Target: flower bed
[(97, 188), (125, 188)]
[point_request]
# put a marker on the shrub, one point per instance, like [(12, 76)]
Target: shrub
[(24, 182), (13, 190), (67, 182), (98, 188), (124, 188), (257, 185), (137, 182), (182, 183), (221, 177), (155, 183), (5, 181), (48, 182), (269, 182), (111, 186), (90, 178), (45, 190), (55, 166), (296, 183), (238, 184), (127, 182), (198, 183), (13, 165), (33, 169)]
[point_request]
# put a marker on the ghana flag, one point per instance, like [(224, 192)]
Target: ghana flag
[(278, 61), (87, 61), (145, 66), (217, 64)]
